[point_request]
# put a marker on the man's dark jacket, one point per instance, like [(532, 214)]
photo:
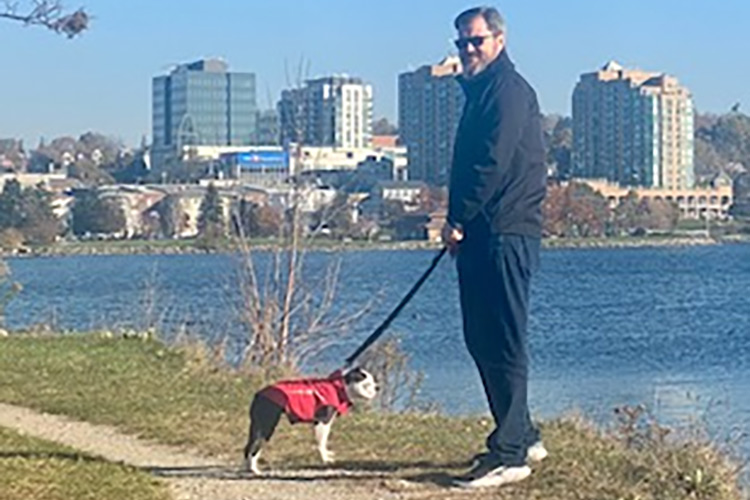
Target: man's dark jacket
[(498, 176)]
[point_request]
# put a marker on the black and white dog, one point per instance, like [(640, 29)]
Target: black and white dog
[(312, 401)]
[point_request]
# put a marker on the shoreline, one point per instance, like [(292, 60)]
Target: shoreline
[(178, 247)]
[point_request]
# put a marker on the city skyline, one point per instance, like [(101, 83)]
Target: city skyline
[(54, 79)]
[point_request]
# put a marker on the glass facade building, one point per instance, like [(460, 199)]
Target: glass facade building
[(202, 103)]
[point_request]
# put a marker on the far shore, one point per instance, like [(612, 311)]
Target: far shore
[(179, 247)]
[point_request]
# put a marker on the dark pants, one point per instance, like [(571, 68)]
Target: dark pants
[(494, 275)]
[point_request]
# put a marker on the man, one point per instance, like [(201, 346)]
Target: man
[(497, 185)]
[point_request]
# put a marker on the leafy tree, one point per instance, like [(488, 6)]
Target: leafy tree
[(575, 210), (29, 212), (433, 198), (211, 216), (661, 215), (560, 147), (720, 141), (731, 137), (558, 139), (12, 151), (171, 216), (40, 225), (11, 205), (258, 220), (40, 162), (177, 171), (90, 158), (384, 127), (628, 215), (131, 169), (633, 215), (150, 225), (391, 211), (95, 215), (87, 172), (708, 162), (741, 204), (109, 148), (336, 217)]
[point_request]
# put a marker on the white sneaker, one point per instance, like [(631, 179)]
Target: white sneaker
[(536, 452), (499, 476)]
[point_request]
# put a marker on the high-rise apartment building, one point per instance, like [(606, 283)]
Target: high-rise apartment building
[(430, 102), (334, 111), (634, 128)]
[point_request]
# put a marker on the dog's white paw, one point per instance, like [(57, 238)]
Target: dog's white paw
[(251, 466), (327, 456)]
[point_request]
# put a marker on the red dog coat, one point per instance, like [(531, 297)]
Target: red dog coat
[(301, 399)]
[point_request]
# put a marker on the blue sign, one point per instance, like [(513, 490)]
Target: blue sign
[(259, 160)]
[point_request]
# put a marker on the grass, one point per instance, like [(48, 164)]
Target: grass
[(178, 397), (32, 469)]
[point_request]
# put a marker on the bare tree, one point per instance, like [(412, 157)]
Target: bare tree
[(8, 290), (289, 315), (50, 14), (400, 385), (289, 323)]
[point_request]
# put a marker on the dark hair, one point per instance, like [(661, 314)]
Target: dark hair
[(492, 17)]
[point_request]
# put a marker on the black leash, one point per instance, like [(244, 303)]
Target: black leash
[(385, 324)]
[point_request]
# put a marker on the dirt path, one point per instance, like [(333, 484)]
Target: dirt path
[(192, 477)]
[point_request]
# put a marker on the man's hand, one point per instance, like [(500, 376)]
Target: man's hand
[(452, 236)]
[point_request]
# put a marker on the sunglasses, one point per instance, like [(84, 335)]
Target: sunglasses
[(476, 41)]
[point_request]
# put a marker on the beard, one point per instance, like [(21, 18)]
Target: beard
[(473, 66)]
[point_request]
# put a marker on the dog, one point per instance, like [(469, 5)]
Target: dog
[(310, 401)]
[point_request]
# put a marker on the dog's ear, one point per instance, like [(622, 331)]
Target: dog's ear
[(354, 375)]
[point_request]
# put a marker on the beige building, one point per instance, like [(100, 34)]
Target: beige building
[(331, 158), (31, 180), (430, 102), (694, 203), (139, 204), (135, 201), (634, 128), (408, 193)]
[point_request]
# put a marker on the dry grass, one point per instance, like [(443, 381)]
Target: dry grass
[(180, 397), (31, 469)]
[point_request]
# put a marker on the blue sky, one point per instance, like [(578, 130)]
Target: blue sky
[(51, 86)]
